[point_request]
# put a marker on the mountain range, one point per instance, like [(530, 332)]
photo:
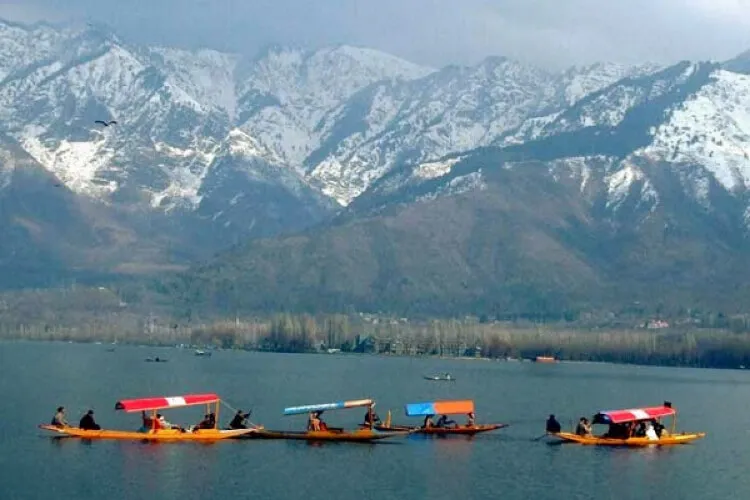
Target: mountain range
[(346, 177)]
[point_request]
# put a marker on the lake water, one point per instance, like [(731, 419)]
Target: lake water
[(37, 377)]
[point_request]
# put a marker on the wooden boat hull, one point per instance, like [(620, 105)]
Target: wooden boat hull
[(672, 439), (159, 435), (444, 431), (360, 435), (440, 379)]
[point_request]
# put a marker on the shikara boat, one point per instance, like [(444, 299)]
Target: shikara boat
[(440, 378), (151, 430), (326, 433), (459, 407), (623, 424)]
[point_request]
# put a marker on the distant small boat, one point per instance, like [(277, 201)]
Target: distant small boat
[(441, 378), (156, 360), (199, 352), (546, 359)]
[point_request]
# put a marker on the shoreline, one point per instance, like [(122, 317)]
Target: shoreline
[(187, 347)]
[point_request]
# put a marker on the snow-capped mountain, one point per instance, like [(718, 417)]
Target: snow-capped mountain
[(455, 109), (219, 147), (630, 146), (339, 118)]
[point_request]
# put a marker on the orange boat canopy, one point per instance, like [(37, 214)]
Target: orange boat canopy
[(146, 404), (440, 408)]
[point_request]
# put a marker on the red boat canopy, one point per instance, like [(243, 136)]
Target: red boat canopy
[(146, 404), (633, 415)]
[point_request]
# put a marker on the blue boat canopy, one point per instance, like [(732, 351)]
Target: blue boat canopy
[(340, 405)]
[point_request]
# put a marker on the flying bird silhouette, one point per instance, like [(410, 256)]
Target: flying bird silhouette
[(106, 124)]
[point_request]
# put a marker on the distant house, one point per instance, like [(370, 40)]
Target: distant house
[(655, 324)]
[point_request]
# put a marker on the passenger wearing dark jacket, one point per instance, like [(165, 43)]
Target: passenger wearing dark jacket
[(87, 422)]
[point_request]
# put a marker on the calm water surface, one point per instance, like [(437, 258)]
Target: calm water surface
[(37, 377)]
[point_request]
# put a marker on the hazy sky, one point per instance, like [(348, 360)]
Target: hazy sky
[(552, 33)]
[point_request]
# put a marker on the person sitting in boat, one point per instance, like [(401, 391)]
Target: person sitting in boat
[(238, 422), (313, 422), (427, 424), (581, 428), (146, 422), (470, 419), (444, 422), (618, 431), (660, 430), (316, 423), (371, 417), (650, 432), (640, 430), (321, 424), (87, 422), (163, 424), (553, 426), (59, 419), (587, 427), (207, 422)]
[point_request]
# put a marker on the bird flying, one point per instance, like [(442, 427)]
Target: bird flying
[(105, 123)]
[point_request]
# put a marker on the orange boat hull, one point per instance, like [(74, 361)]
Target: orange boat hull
[(359, 435), (462, 430), (158, 435), (672, 439)]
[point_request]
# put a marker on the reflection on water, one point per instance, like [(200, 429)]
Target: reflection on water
[(511, 462)]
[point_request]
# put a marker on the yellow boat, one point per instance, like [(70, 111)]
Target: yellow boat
[(623, 425), (152, 431)]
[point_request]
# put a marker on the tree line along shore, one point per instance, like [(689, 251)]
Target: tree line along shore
[(360, 333)]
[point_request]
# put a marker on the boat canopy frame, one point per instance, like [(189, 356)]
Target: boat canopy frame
[(212, 402), (632, 415), (338, 405)]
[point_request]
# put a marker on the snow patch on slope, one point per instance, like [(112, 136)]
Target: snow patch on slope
[(620, 183), (431, 170), (458, 185), (206, 75), (76, 164), (712, 129), (186, 179), (583, 81)]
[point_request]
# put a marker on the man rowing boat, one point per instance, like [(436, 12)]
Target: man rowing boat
[(238, 422), (371, 417)]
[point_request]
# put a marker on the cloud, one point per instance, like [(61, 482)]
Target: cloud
[(552, 33)]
